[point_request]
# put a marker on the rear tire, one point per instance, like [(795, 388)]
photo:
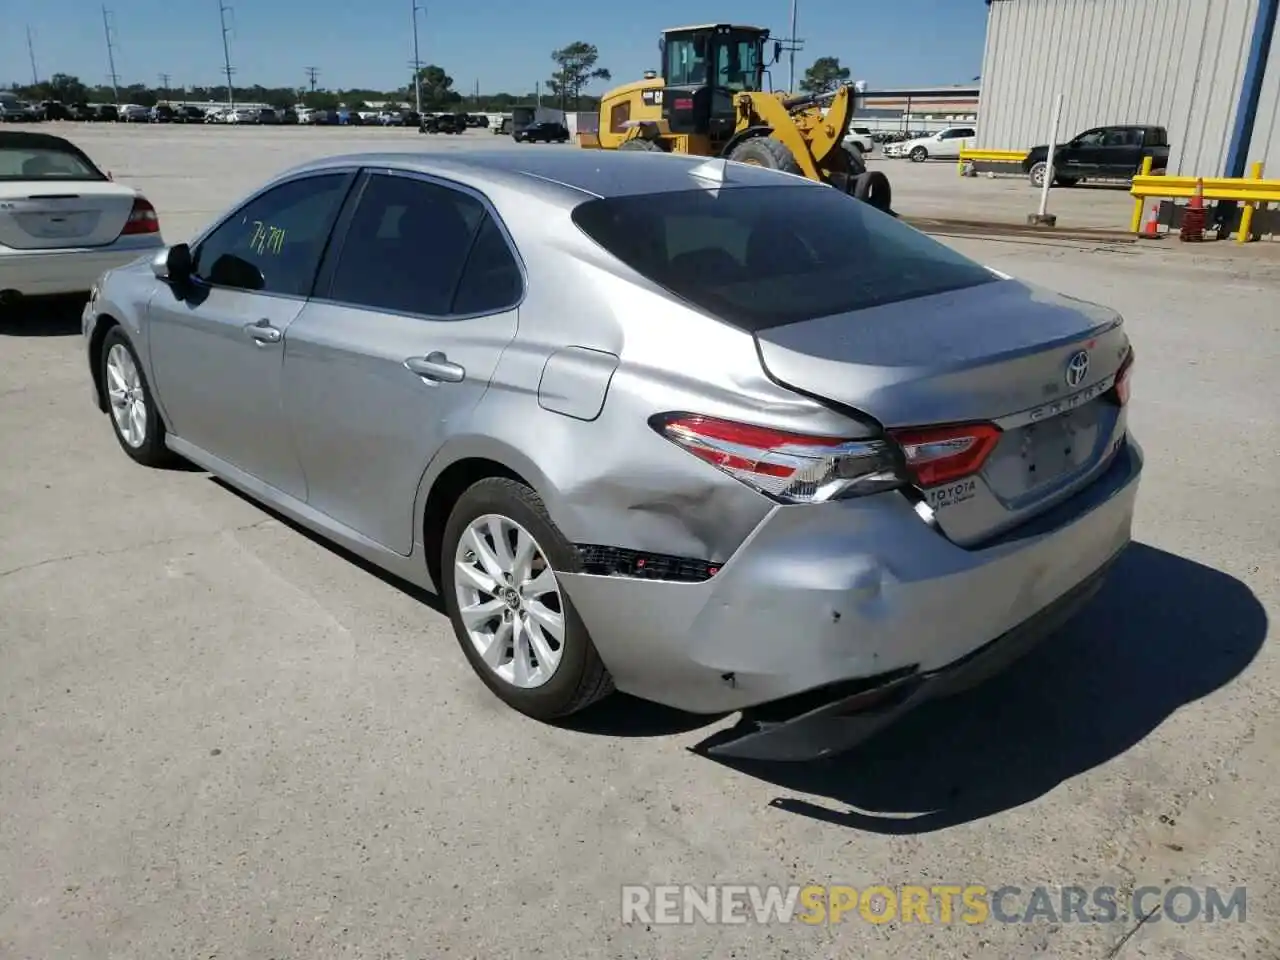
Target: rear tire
[(1037, 173), (766, 152), (563, 679), (645, 146)]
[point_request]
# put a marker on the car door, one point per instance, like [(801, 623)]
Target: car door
[(1120, 151), (217, 341), (415, 303), (1081, 155)]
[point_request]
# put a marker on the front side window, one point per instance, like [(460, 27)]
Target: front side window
[(762, 257), (273, 243), (737, 64), (406, 247)]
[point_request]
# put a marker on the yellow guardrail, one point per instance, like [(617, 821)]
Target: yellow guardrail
[(1252, 191), (970, 154)]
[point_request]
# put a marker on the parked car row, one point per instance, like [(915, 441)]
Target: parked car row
[(22, 112)]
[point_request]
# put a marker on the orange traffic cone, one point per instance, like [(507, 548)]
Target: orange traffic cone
[(1193, 218), (1150, 229)]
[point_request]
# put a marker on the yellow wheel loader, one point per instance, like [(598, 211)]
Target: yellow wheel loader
[(711, 102)]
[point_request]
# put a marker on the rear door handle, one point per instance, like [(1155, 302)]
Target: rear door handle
[(263, 331), (436, 366)]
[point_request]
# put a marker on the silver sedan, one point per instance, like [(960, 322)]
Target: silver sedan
[(707, 433)]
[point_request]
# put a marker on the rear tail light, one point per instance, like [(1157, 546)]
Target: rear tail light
[(1121, 388), (789, 467), (142, 219), (941, 454)]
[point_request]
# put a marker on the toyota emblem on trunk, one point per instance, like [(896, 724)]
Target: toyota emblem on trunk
[(1077, 369)]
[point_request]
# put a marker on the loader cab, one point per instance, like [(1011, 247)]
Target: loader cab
[(703, 68)]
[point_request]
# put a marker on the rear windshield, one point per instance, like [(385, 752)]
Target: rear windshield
[(45, 163), (761, 257)]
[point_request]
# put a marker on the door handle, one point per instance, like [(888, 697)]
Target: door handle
[(263, 331), (437, 367)]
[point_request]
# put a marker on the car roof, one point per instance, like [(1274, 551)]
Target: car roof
[(569, 175)]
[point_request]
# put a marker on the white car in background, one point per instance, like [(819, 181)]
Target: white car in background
[(133, 113), (859, 138), (943, 145), (63, 222)]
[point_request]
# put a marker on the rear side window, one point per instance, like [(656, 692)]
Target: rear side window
[(406, 248), (762, 257)]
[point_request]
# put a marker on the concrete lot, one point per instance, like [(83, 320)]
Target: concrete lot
[(221, 738)]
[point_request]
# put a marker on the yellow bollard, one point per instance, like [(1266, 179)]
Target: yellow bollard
[(1245, 230), (1135, 225)]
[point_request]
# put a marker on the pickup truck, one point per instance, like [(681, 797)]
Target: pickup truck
[(1101, 153)]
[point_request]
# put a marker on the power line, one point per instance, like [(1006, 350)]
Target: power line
[(164, 84), (223, 9), (111, 54), (312, 73), (31, 52)]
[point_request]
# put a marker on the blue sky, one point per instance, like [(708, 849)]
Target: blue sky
[(504, 44)]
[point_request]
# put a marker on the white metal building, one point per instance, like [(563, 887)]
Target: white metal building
[(1206, 70)]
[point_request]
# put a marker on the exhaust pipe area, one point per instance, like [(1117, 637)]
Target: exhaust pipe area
[(9, 298)]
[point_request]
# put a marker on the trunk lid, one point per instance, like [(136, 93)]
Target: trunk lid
[(999, 352), (48, 214)]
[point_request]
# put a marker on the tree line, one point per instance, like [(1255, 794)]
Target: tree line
[(576, 67)]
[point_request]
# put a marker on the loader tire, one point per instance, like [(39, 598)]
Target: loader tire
[(766, 152), (873, 187), (648, 146), (856, 165)]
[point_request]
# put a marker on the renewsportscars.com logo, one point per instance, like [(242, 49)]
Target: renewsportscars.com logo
[(969, 904)]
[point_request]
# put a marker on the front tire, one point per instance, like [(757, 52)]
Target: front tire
[(766, 152), (919, 155), (513, 619), (134, 417)]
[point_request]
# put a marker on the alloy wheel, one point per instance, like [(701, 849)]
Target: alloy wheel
[(509, 601), (127, 396)]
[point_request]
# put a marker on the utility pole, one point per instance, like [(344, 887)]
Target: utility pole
[(111, 55), (792, 45), (312, 73), (417, 59), (31, 52), (223, 8), (164, 86)]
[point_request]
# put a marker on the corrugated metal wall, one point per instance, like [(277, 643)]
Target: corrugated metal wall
[(1265, 145), (1176, 63)]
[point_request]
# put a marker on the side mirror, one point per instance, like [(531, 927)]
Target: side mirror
[(777, 50), (174, 264)]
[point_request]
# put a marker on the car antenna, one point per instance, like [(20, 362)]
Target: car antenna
[(714, 170)]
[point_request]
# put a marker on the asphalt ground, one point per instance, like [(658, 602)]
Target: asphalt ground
[(220, 737)]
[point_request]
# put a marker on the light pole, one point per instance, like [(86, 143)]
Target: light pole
[(417, 60)]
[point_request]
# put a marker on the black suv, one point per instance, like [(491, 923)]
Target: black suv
[(1102, 153), (444, 123), (544, 131)]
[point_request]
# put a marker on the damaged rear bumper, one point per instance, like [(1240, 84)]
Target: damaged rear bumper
[(825, 722)]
